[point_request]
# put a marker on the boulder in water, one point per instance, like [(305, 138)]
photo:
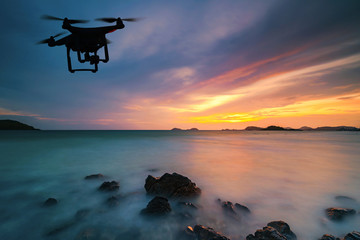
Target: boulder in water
[(157, 206), (171, 185), (275, 230), (352, 236), (328, 237), (50, 202), (207, 233), (338, 214), (109, 186)]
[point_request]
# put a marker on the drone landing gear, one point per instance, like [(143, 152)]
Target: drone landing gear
[(94, 60)]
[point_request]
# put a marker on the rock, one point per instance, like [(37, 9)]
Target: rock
[(109, 186), (186, 234), (95, 176), (242, 208), (352, 236), (157, 206), (171, 185), (328, 237), (50, 202), (207, 233), (338, 214), (228, 207), (283, 228), (267, 233)]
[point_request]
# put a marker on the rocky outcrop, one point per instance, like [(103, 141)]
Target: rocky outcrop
[(50, 202), (338, 214), (242, 208), (171, 186), (276, 230), (207, 233), (328, 237), (283, 228), (157, 206), (109, 186), (95, 176), (352, 236)]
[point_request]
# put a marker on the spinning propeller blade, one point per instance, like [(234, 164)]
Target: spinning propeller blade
[(48, 39), (111, 20), (48, 17)]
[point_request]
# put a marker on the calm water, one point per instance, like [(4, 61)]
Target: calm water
[(292, 176)]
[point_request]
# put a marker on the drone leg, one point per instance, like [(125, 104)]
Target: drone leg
[(69, 60), (79, 57), (106, 53)]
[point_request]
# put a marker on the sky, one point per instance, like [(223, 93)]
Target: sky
[(204, 64)]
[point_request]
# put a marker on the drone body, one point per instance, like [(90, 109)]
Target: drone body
[(85, 41)]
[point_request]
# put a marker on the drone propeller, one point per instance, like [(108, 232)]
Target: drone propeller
[(111, 20), (52, 37), (48, 17)]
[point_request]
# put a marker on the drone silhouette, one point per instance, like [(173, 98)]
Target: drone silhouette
[(85, 41)]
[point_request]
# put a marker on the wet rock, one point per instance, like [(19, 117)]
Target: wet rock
[(242, 208), (352, 236), (171, 185), (328, 237), (267, 233), (228, 207), (207, 233), (109, 186), (94, 176), (186, 234), (283, 228), (157, 206), (50, 202), (338, 214)]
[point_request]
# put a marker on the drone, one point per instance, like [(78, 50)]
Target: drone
[(85, 41)]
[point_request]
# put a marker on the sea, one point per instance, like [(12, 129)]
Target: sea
[(279, 175)]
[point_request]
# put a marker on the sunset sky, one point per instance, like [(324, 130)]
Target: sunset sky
[(189, 63)]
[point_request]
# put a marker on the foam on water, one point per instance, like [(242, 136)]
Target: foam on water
[(292, 176)]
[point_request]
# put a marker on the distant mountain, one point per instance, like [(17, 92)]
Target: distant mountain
[(338, 128), (179, 129), (305, 128), (14, 125), (253, 128)]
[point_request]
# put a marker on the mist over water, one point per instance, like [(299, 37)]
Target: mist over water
[(289, 176)]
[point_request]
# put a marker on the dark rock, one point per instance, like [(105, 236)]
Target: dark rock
[(242, 208), (207, 233), (50, 202), (228, 207), (186, 234), (283, 228), (352, 236), (337, 214), (157, 206), (171, 185), (328, 237), (95, 176), (267, 233), (109, 186), (113, 201)]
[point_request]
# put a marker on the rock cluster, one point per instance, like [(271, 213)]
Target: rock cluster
[(276, 230), (109, 186), (337, 214)]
